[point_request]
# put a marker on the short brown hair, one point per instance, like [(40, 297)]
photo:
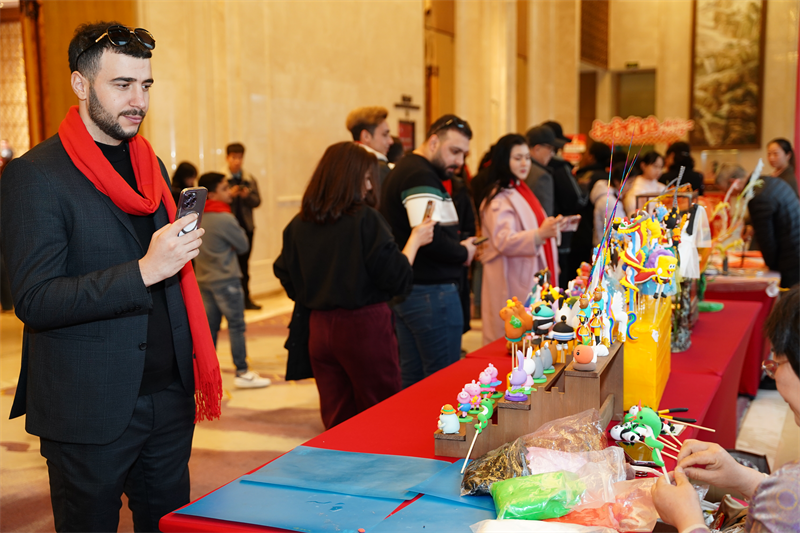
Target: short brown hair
[(336, 187), (234, 148), (365, 118)]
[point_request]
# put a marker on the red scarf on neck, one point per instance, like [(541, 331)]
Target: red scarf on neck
[(85, 155), (540, 214), (216, 206)]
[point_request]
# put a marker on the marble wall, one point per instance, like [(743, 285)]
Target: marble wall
[(280, 77), (657, 34)]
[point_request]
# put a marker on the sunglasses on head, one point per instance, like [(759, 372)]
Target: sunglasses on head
[(457, 122), (121, 36)]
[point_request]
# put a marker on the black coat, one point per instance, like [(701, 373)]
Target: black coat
[(775, 215), (72, 257)]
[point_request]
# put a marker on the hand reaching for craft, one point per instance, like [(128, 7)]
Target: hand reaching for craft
[(549, 227), (168, 252), (710, 463), (421, 235), (677, 504)]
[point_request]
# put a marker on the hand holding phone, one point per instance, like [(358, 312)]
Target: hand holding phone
[(191, 200), (480, 240), (569, 223)]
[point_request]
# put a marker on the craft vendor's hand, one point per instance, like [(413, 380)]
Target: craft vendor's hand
[(469, 244), (168, 252), (677, 504), (549, 227), (710, 463), (422, 233)]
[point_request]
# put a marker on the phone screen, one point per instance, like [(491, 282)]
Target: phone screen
[(428, 210), (191, 200)]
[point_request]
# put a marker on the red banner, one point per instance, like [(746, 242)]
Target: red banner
[(643, 130)]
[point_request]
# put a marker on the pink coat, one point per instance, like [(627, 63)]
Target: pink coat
[(510, 257)]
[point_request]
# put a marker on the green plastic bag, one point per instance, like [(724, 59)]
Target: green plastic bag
[(537, 497)]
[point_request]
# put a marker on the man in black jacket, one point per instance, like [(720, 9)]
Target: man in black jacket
[(106, 379), (429, 321)]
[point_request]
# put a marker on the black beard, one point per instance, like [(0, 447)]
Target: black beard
[(106, 122)]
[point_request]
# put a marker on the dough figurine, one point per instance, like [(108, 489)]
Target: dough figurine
[(464, 405), (523, 315), (563, 334), (448, 420), (516, 383), (584, 358), (584, 333), (529, 365), (547, 358), (486, 385), (538, 374), (492, 371), (474, 390), (542, 318)]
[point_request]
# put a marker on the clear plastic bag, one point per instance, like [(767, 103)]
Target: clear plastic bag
[(505, 462), (533, 526), (580, 432), (537, 497)]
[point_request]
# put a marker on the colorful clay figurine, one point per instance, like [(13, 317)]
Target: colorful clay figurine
[(563, 334), (542, 318), (547, 358), (523, 315), (516, 381), (584, 358), (474, 390), (596, 324), (584, 332), (538, 374), (448, 420), (648, 418), (529, 366), (486, 385), (492, 371), (464, 405)]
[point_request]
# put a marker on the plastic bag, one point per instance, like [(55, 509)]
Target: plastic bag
[(537, 497), (634, 509), (533, 526), (577, 433), (599, 470), (505, 462)]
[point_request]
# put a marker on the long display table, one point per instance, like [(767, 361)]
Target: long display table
[(704, 379)]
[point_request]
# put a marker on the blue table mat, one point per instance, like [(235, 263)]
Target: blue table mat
[(433, 515), (446, 484), (291, 508), (355, 474)]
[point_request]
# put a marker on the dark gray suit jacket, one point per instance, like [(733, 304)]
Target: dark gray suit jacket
[(72, 257)]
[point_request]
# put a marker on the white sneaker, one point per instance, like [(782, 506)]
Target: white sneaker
[(251, 380)]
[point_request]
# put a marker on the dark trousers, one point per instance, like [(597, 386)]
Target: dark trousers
[(149, 462), (244, 261), (354, 358)]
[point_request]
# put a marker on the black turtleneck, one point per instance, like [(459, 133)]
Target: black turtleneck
[(160, 368)]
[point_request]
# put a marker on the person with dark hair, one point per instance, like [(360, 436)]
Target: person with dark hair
[(781, 158), (679, 155), (568, 197), (429, 321), (543, 144), (649, 168), (775, 217), (773, 499), (521, 235), (593, 167), (116, 346), (220, 276), (183, 177), (370, 129), (244, 190), (396, 152), (339, 261)]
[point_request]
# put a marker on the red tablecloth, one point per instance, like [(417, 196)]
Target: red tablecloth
[(723, 291), (404, 424)]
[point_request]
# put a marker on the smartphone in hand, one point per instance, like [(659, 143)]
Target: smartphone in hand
[(191, 200), (480, 240), (428, 211), (569, 223)]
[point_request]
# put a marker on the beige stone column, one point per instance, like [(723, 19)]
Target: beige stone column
[(554, 62), (486, 67)]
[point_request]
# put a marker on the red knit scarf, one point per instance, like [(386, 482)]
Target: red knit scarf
[(538, 210), (88, 158), (216, 206)]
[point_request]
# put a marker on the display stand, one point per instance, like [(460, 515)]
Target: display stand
[(566, 392)]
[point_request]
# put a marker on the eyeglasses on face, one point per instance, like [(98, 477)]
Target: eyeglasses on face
[(770, 366), (121, 36)]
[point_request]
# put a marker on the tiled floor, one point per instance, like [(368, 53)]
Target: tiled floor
[(259, 424)]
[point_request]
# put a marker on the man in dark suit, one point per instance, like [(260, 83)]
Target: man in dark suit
[(107, 361)]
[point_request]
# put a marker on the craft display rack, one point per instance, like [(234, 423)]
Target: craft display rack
[(566, 392)]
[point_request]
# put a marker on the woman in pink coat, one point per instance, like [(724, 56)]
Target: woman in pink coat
[(521, 236)]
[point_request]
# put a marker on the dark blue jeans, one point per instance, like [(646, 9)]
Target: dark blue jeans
[(226, 298), (429, 327)]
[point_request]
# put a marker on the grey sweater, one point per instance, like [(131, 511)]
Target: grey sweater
[(223, 242)]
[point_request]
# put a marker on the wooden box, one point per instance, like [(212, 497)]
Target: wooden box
[(566, 393)]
